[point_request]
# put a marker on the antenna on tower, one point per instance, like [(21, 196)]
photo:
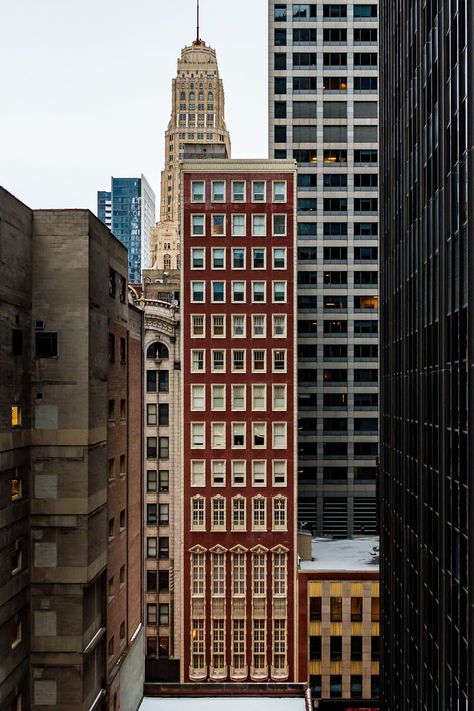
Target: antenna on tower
[(197, 21)]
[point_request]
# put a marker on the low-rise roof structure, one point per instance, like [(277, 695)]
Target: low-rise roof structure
[(351, 554), (218, 703)]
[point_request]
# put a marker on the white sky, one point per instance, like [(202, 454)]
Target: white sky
[(85, 89)]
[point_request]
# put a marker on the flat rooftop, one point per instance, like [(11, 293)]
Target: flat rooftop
[(241, 703), (351, 554)]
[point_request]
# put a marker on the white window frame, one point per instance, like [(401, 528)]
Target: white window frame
[(214, 388), (259, 301), (258, 525), (218, 432), (274, 184), (243, 249), (218, 370), (239, 506), (283, 442), (274, 299), (203, 300), (193, 368), (255, 182), (277, 465), (241, 231), (283, 407), (259, 370), (244, 183), (198, 249), (274, 333), (194, 232), (198, 507), (257, 429), (193, 332), (233, 299), (285, 218), (256, 233), (241, 465), (213, 330), (233, 388), (218, 281), (279, 525), (194, 427), (198, 182), (218, 471), (213, 197), (259, 335), (260, 479), (254, 250), (218, 249), (244, 325), (264, 390), (234, 427), (285, 361), (194, 396), (285, 257), (239, 370), (221, 526), (224, 224), (198, 473)]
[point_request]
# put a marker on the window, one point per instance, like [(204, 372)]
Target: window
[(258, 258), (151, 515), (356, 686), (356, 609), (151, 447), (46, 344), (197, 291), (259, 514), (218, 326), (279, 258), (258, 435), (163, 547), (218, 361), (151, 547), (218, 258), (15, 416), (258, 361), (258, 225), (258, 191), (197, 362), (279, 325), (197, 191), (163, 514), (218, 291), (259, 644), (151, 580), (259, 398), (375, 609), (163, 480), (315, 607), (151, 414), (218, 397), (356, 648), (197, 225), (151, 480), (238, 473), (335, 648), (218, 514), (238, 291), (197, 473), (197, 637), (16, 489), (238, 435), (163, 580), (280, 61), (197, 397), (279, 191), (197, 435), (258, 325), (218, 472), (315, 648), (197, 258), (258, 291), (259, 569), (163, 613), (238, 325), (279, 435), (335, 686), (238, 397), (279, 291), (163, 448), (336, 609), (217, 225), (279, 513), (279, 472), (238, 226), (259, 473), (238, 361), (279, 361), (151, 614), (238, 513), (365, 11), (218, 435), (279, 225), (238, 191), (238, 258), (197, 513), (218, 191)]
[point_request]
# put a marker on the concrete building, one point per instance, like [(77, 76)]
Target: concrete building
[(427, 354), (339, 621), (238, 420), (323, 112), (70, 434), (197, 118), (128, 210)]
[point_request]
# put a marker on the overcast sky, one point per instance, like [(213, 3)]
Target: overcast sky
[(85, 89)]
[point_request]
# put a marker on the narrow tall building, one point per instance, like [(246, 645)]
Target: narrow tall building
[(197, 118), (427, 356), (323, 112), (128, 210), (238, 419)]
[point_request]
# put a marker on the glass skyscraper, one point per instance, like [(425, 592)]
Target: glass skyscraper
[(129, 211)]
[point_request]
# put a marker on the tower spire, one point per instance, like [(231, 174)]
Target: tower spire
[(197, 22)]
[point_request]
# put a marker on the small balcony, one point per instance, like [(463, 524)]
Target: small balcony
[(198, 673), (218, 673), (238, 674), (280, 674), (258, 674)]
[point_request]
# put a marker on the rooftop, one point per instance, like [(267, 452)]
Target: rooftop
[(218, 703), (352, 554)]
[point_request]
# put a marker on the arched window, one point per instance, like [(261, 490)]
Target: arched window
[(157, 350), (191, 96), (210, 96), (167, 262), (182, 96)]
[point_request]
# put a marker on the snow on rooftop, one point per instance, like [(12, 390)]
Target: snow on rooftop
[(219, 703), (343, 554)]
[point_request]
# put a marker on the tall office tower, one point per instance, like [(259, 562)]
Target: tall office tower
[(71, 631), (238, 419), (323, 113), (197, 117), (427, 267), (129, 211)]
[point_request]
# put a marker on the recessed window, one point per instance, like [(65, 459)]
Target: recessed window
[(218, 361), (197, 225), (218, 472), (258, 191), (238, 397), (197, 361), (259, 398), (258, 360), (197, 473), (197, 291), (238, 325), (238, 258), (238, 226), (218, 326), (238, 292), (238, 191), (16, 489), (46, 344), (238, 473), (279, 191), (238, 435), (259, 431), (197, 258), (197, 191), (238, 361), (218, 191), (258, 325), (258, 292), (279, 472), (197, 325), (218, 258), (258, 225), (16, 416), (15, 634), (217, 225), (279, 225)]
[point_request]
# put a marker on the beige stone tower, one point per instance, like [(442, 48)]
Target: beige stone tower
[(196, 124)]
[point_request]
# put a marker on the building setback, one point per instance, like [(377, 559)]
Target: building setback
[(427, 407), (70, 455), (129, 212), (238, 420), (323, 113)]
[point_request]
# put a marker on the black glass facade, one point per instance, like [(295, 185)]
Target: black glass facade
[(427, 354)]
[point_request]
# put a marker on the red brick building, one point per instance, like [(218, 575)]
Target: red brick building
[(239, 420)]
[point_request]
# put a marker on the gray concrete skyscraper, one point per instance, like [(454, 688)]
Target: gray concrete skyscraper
[(323, 95)]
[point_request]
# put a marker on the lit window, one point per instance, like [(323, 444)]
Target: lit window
[(238, 473), (197, 472), (238, 513), (279, 513), (16, 416), (16, 489), (218, 473), (279, 360), (259, 473), (259, 397)]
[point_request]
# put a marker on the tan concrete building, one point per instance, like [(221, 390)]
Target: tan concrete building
[(339, 621), (70, 430), (197, 117)]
